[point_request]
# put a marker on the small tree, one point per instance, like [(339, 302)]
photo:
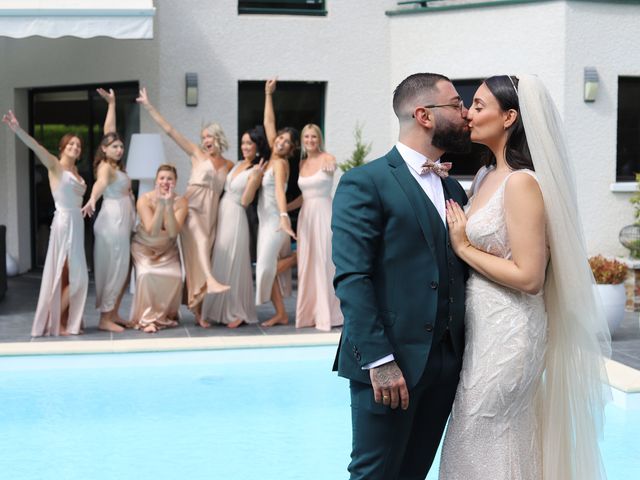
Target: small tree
[(359, 153)]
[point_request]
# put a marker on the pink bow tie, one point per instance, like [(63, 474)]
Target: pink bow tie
[(440, 169)]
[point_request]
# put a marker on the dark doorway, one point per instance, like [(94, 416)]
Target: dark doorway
[(54, 112)]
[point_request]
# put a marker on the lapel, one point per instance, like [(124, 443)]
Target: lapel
[(426, 213)]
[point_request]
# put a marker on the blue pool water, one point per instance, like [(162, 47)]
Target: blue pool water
[(235, 414)]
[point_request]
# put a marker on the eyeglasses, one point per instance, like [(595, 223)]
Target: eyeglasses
[(459, 105)]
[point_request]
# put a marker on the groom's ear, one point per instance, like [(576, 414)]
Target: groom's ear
[(424, 117), (510, 117)]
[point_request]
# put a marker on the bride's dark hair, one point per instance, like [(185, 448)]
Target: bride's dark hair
[(516, 149)]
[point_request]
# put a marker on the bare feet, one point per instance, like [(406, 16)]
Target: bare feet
[(64, 333), (201, 322), (109, 326), (121, 321), (214, 286), (276, 320), (236, 323), (151, 328)]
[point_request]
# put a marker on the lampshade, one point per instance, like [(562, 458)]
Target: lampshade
[(145, 155)]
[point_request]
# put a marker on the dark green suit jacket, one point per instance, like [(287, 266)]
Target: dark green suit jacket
[(389, 247)]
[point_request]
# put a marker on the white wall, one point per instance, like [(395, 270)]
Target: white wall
[(605, 37)]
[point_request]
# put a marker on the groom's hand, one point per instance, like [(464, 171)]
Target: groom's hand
[(389, 387)]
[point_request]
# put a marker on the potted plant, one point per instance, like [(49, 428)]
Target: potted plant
[(360, 152), (610, 275)]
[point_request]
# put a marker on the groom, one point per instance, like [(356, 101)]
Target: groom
[(401, 287)]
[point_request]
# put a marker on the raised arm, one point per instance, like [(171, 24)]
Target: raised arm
[(110, 119), (269, 113), (102, 182), (253, 184), (48, 160), (151, 219), (525, 220), (280, 173), (189, 147)]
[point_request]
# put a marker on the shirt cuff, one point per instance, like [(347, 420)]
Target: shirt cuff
[(377, 363)]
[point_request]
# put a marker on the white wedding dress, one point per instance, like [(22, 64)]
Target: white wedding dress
[(493, 432)]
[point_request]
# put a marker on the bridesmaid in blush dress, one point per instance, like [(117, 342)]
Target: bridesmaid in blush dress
[(209, 170), (231, 254), (112, 229), (155, 254), (63, 291), (317, 304), (273, 256)]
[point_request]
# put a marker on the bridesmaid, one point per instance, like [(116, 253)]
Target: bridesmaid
[(63, 291), (231, 254), (317, 304), (275, 225), (112, 229), (155, 254), (209, 170)]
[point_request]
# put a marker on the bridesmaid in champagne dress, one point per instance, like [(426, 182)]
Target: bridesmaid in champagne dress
[(155, 254), (231, 254), (112, 229), (63, 291), (317, 304), (274, 257), (208, 173)]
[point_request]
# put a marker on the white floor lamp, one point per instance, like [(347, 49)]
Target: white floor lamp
[(145, 155)]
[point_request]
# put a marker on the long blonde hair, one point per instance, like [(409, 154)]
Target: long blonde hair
[(318, 132)]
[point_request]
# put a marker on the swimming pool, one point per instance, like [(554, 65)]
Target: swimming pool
[(276, 413)]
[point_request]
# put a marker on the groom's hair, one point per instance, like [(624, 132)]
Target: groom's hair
[(411, 88)]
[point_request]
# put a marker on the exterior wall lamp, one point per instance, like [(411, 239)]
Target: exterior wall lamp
[(191, 97), (591, 82)]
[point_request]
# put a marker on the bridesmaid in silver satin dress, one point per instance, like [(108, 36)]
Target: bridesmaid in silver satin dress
[(63, 291), (114, 224), (274, 259)]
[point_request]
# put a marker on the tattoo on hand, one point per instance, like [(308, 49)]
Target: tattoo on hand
[(388, 374)]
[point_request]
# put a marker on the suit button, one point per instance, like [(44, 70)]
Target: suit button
[(449, 244), (450, 299), (358, 356), (429, 327), (450, 318), (434, 285)]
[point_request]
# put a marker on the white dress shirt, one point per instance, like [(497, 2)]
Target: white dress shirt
[(431, 184)]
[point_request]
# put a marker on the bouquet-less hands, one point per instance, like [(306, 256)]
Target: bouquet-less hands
[(109, 97), (389, 386), (457, 222), (285, 226), (257, 172), (12, 122), (89, 208)]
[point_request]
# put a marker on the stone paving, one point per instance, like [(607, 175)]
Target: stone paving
[(18, 307)]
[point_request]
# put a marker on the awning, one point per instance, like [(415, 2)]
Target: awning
[(124, 19)]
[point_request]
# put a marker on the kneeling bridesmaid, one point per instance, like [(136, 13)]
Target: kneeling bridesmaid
[(155, 255)]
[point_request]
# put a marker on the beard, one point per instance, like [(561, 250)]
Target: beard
[(452, 138)]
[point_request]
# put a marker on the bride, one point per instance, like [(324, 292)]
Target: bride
[(530, 400)]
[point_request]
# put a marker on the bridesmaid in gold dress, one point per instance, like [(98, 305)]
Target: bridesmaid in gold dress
[(209, 170), (112, 229), (274, 259), (63, 291), (317, 304), (155, 254)]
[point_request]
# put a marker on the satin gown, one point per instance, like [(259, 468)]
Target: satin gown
[(198, 235), (231, 257), (272, 243), (317, 304), (493, 431), (66, 243), (112, 248), (158, 280)]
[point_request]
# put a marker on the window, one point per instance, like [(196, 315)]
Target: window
[(628, 145), (466, 165), (79, 110), (283, 7)]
